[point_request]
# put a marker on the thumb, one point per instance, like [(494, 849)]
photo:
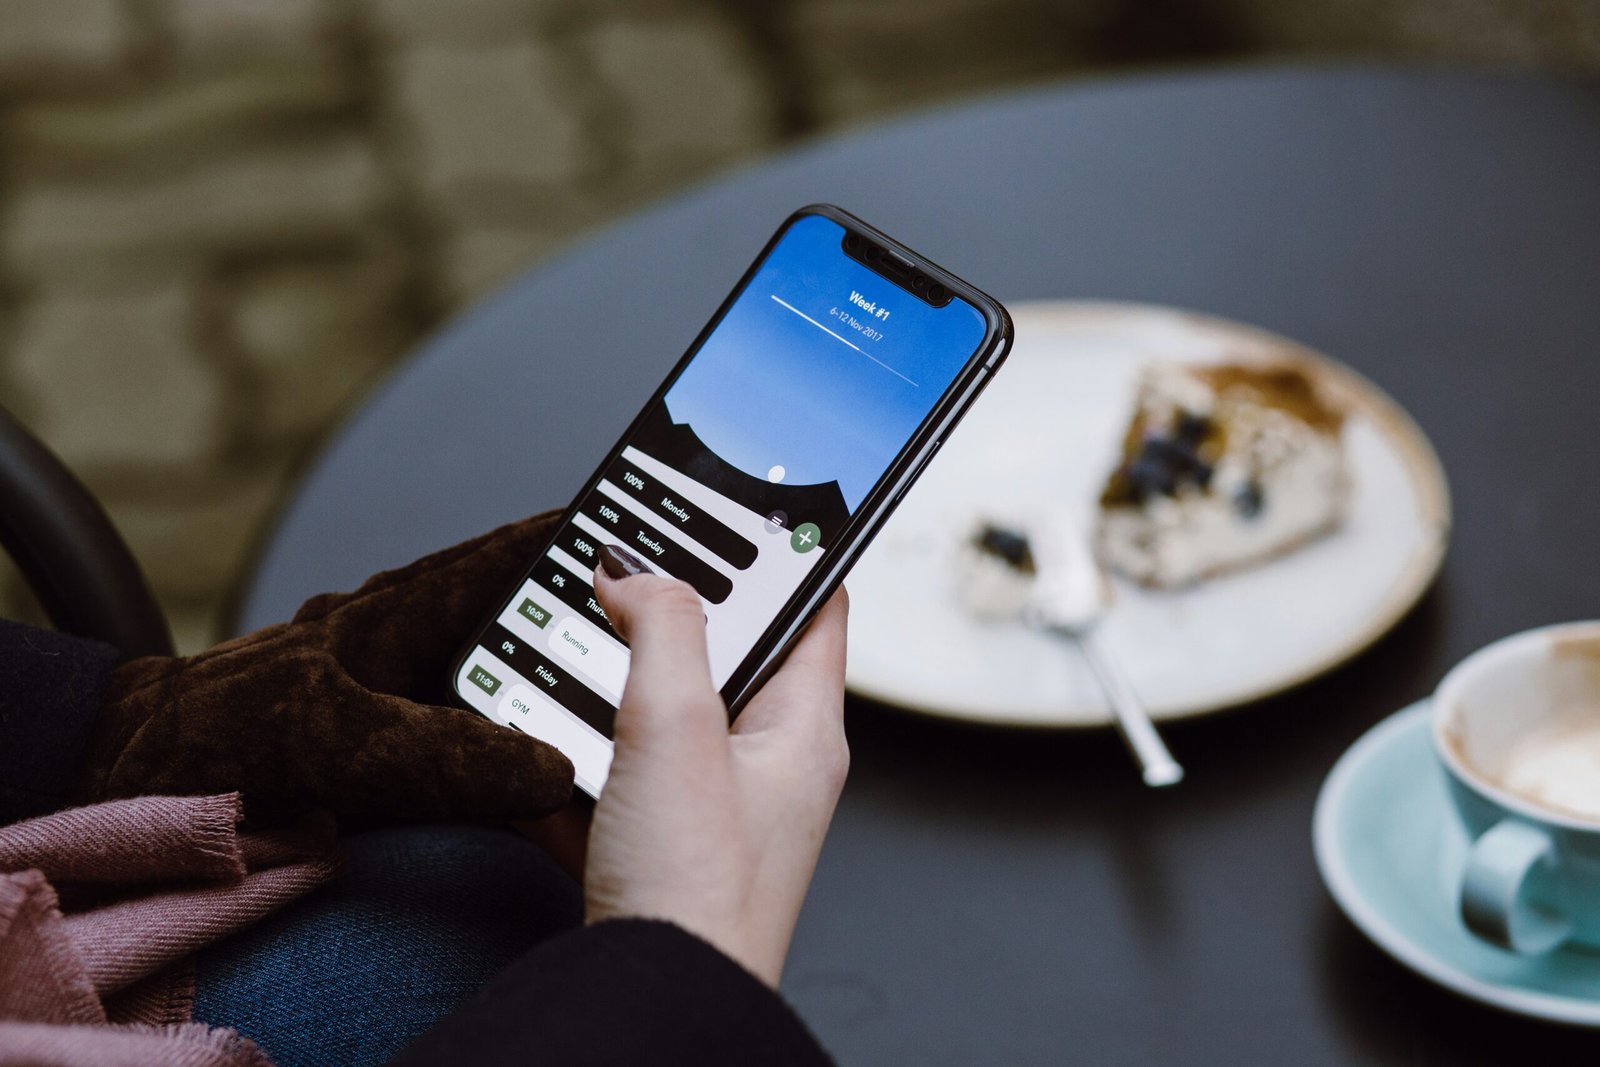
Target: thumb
[(669, 688)]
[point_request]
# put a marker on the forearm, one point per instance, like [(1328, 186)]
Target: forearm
[(52, 687)]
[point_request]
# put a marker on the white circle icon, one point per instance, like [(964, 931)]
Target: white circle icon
[(776, 473)]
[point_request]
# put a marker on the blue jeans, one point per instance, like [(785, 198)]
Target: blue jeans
[(354, 972)]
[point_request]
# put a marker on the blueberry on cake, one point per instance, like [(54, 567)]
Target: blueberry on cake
[(997, 571), (1223, 465)]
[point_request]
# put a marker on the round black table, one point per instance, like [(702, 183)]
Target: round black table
[(1008, 897)]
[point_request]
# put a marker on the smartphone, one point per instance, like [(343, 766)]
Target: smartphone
[(758, 472)]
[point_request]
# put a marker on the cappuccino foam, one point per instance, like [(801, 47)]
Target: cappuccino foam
[(1557, 766)]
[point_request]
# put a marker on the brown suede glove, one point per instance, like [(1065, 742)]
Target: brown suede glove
[(336, 709)]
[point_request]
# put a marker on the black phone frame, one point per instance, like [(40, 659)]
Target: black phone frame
[(865, 521)]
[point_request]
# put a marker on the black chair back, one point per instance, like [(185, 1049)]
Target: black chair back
[(70, 554)]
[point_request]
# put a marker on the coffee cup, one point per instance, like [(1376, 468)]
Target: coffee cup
[(1516, 727)]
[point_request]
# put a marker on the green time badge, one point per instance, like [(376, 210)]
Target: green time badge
[(805, 537), (484, 680), (533, 612)]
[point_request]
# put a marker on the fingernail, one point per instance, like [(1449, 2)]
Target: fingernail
[(618, 562)]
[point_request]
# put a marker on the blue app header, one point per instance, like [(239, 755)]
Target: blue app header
[(822, 369)]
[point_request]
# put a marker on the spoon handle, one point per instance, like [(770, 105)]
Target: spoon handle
[(1159, 768)]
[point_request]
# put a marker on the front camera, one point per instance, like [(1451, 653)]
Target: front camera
[(892, 266)]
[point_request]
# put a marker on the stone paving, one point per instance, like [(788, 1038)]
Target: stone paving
[(222, 221)]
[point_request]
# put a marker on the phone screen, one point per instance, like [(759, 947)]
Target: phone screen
[(739, 478)]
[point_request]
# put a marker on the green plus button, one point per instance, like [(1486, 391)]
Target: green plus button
[(533, 613), (805, 537), (484, 680)]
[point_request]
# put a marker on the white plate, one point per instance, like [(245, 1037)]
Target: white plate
[(1048, 430)]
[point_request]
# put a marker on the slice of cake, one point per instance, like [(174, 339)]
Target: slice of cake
[(997, 571), (1223, 465)]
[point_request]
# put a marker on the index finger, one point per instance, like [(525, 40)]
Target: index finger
[(809, 684)]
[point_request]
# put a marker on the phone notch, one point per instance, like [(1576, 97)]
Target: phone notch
[(896, 267)]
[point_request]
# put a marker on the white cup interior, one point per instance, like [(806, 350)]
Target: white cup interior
[(1541, 680)]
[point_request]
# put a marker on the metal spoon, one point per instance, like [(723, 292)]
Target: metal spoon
[(1062, 590)]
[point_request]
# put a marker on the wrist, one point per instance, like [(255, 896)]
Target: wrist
[(757, 961), (754, 947)]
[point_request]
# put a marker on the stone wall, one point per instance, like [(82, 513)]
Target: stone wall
[(221, 221)]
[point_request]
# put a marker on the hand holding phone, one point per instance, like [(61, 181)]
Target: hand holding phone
[(712, 828)]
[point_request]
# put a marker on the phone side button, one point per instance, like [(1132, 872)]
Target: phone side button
[(920, 467), (916, 473)]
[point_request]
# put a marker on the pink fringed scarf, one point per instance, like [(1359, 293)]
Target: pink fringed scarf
[(102, 908)]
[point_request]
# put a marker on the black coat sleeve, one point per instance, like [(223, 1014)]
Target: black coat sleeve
[(51, 690), (621, 992)]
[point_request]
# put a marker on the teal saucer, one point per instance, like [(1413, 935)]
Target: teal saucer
[(1390, 848)]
